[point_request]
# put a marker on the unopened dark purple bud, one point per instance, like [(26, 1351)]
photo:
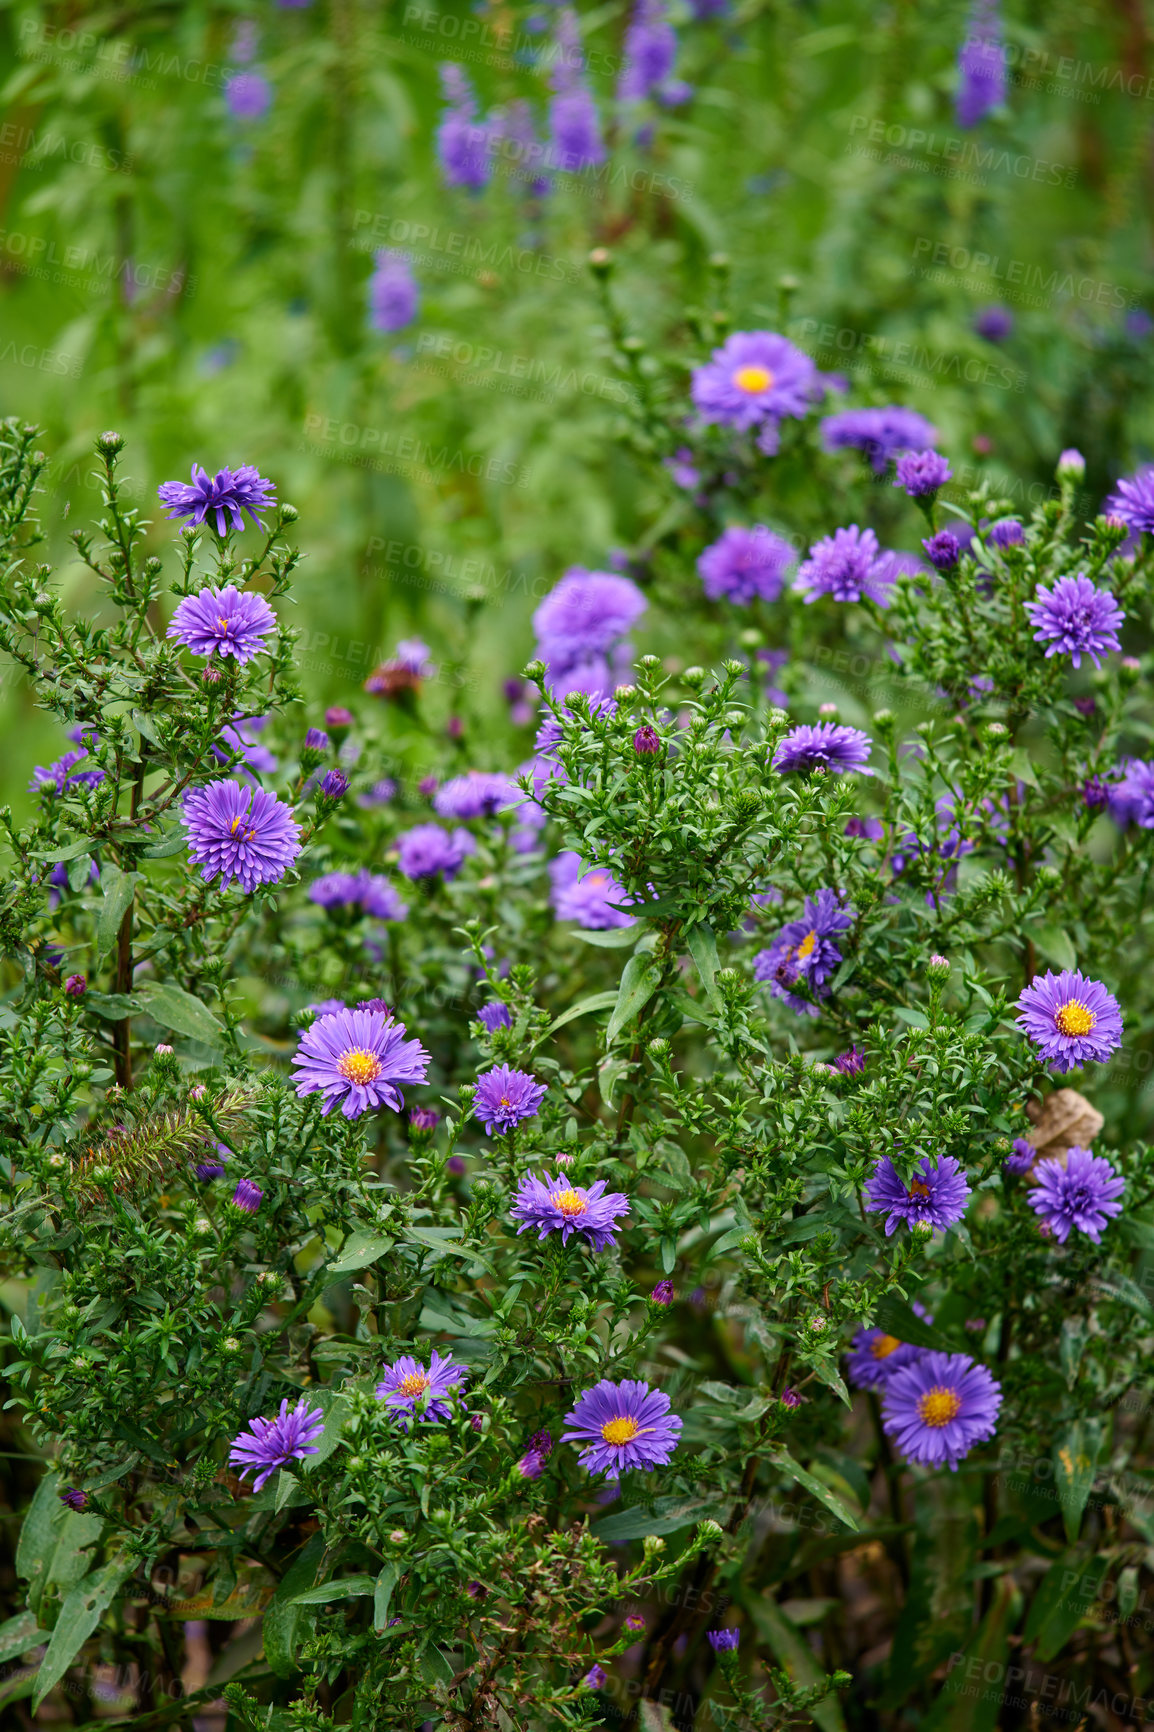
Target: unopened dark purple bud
[(663, 1293), (374, 1004), (317, 740), (424, 1119), (76, 985), (247, 1196), (428, 786), (942, 550), (338, 718), (1096, 793), (335, 785), (456, 1165), (454, 727), (74, 1498), (1085, 706), (790, 1398), (646, 740)]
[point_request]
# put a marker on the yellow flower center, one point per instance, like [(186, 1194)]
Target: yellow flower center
[(358, 1066), (806, 948), (413, 1385), (919, 1188), (222, 622), (938, 1406), (235, 825), (884, 1346), (569, 1203), (618, 1431), (1075, 1018), (753, 379), (597, 879)]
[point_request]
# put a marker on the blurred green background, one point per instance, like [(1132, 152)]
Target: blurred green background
[(198, 281)]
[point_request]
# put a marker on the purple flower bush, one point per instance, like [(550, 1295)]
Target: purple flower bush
[(477, 1177)]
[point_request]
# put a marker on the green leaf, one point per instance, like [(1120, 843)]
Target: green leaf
[(174, 843), (434, 1667), (1064, 1596), (1076, 1455), (615, 938), (383, 1593), (437, 1239), (609, 1074), (286, 1484), (1056, 946), (702, 946), (595, 1001), (119, 888), (358, 1251), (174, 1008), (899, 1319), (19, 1634), (915, 1018), (639, 981), (69, 853), (342, 1588), (824, 1494), (36, 1535), (281, 1616), (668, 1516), (960, 1707), (79, 1616)]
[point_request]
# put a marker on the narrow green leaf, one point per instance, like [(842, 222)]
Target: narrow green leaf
[(79, 1615), (961, 1708), (899, 1319), (614, 938), (286, 1484), (639, 981), (282, 1618), (1076, 1455), (19, 1634), (1056, 946), (174, 1008), (668, 1516), (344, 1588), (702, 946), (383, 1593), (119, 888), (795, 1654), (174, 843), (609, 1075), (358, 1251), (595, 1001), (824, 1494), (68, 853)]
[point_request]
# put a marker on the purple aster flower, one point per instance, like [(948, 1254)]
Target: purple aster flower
[(650, 52), (595, 1677), (531, 1464), (1131, 799), (247, 1197), (994, 323), (239, 833), (424, 1119), (723, 1641), (621, 1426), (829, 745), (790, 1398), (756, 376), (357, 1057), (367, 891), (1006, 533), (393, 294), (476, 794), (1096, 793), (316, 740), (224, 622), (804, 950), (646, 741), (227, 496), (981, 66), (272, 1443), (935, 1197), (879, 433), (847, 565), (427, 849), (334, 785), (76, 985), (585, 615), (338, 718), (592, 898), (74, 1498), (745, 565), (495, 1016), (505, 1097), (850, 1063), (1021, 1157), (248, 95), (461, 140), (574, 128), (241, 739), (939, 1407), (1078, 1194), (57, 778), (921, 473), (943, 549), (662, 1294), (871, 829), (556, 1206), (1074, 616), (874, 1356), (1133, 502), (1070, 1018), (410, 1389)]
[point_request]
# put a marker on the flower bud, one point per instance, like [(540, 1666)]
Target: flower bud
[(652, 1546), (1071, 466), (938, 967), (110, 444), (75, 985), (534, 671)]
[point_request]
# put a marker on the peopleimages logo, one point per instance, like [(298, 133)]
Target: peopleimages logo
[(964, 153), (1018, 274)]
